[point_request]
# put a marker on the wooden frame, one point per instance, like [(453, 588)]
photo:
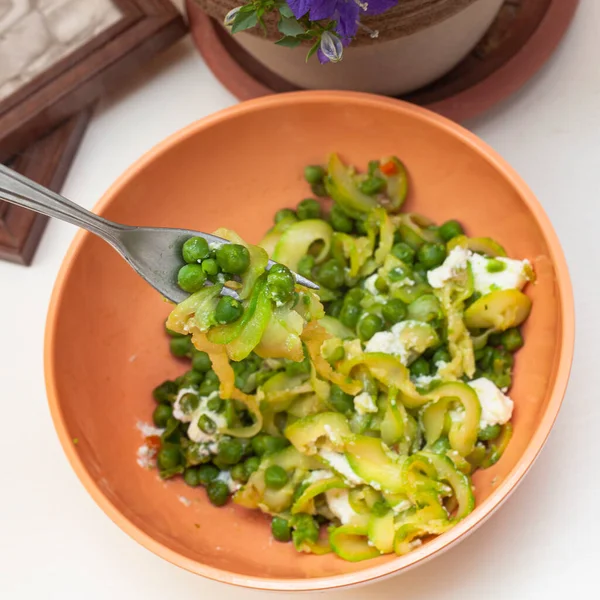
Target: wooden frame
[(47, 161), (77, 80)]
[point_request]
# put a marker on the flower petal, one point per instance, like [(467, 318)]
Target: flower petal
[(347, 17), (299, 7), (323, 9)]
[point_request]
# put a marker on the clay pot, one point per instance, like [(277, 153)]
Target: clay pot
[(406, 56)]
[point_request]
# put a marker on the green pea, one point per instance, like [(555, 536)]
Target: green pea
[(394, 310), (238, 473), (195, 249), (207, 473), (340, 221), (368, 326), (217, 492), (201, 361), (361, 226), (275, 477), (305, 266), (181, 346), (191, 379), (230, 451), (404, 252), (340, 400), (512, 339), (233, 258), (210, 266), (399, 274), (190, 476), (251, 465), (266, 444), (208, 387), (318, 189), (308, 208), (331, 274), (215, 405), (484, 357), (280, 283), (420, 273), (211, 377), (431, 255), (450, 229), (284, 213), (420, 367), (228, 310), (191, 278), (314, 174), (162, 413), (350, 314), (168, 457), (495, 266), (441, 355), (372, 185), (206, 424), (165, 392), (188, 403), (502, 361), (280, 529), (333, 309), (491, 432)]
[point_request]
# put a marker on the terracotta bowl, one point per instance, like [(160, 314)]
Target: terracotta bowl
[(105, 347)]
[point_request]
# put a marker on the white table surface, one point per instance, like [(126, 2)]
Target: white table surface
[(56, 543)]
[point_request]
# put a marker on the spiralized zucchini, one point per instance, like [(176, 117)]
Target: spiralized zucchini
[(354, 417)]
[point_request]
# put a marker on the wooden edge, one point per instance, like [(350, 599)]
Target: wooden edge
[(47, 162), (80, 86)]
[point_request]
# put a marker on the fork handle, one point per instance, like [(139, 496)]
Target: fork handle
[(22, 191)]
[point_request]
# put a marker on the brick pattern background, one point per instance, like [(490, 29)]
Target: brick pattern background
[(35, 34)]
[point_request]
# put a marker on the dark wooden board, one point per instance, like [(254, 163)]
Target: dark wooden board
[(46, 161), (76, 81)]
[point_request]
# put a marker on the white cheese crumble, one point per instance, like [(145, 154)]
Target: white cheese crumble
[(177, 411), (225, 477), (512, 277), (364, 403), (339, 463), (333, 438), (194, 432), (318, 475), (369, 284), (496, 408), (423, 380), (185, 501), (402, 506), (455, 262), (148, 430), (339, 504), (396, 341), (146, 457)]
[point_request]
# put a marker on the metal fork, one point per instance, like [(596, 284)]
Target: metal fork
[(153, 252)]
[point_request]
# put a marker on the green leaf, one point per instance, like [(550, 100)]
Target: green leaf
[(290, 26), (288, 41), (313, 49), (244, 20), (285, 10)]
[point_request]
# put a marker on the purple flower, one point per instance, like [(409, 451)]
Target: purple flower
[(346, 13)]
